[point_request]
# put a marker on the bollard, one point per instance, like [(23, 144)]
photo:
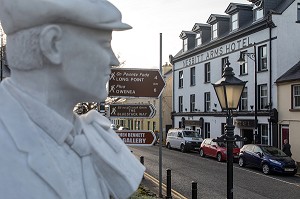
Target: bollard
[(194, 190), (169, 195), (142, 162)]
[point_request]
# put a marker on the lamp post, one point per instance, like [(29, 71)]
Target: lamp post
[(241, 61), (229, 90)]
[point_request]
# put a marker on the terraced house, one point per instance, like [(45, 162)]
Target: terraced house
[(263, 33)]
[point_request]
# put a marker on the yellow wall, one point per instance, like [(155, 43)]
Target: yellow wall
[(288, 117)]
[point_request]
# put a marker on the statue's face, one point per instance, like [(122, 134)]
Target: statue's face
[(87, 60)]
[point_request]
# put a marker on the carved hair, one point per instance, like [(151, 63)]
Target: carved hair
[(23, 50)]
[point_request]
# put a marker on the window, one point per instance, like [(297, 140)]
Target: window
[(148, 125), (223, 128), (244, 100), (264, 133), (138, 125), (207, 72), (262, 58), (298, 12), (154, 126), (296, 96), (234, 21), (185, 45), (193, 76), (263, 96), (207, 130), (198, 39), (244, 66), (215, 31), (192, 103), (207, 101), (180, 104), (180, 81), (259, 14), (223, 64)]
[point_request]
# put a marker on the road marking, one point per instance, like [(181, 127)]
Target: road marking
[(268, 176), (155, 181)]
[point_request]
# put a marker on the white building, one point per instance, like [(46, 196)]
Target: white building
[(267, 28)]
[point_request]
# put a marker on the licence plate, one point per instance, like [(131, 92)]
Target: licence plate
[(287, 169)]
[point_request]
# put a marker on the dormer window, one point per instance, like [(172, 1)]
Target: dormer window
[(185, 44), (234, 22), (198, 39), (215, 31), (259, 14)]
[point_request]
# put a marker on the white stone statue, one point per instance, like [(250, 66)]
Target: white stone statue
[(59, 53)]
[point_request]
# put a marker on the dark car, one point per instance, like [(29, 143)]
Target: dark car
[(268, 158), (217, 149)]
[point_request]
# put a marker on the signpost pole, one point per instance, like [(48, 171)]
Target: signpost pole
[(160, 122)]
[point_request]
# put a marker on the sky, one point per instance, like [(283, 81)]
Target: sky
[(140, 46)]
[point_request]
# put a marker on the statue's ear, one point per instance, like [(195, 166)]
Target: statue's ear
[(50, 39)]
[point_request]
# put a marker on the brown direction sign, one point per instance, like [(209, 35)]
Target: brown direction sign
[(137, 137), (135, 83), (132, 110)]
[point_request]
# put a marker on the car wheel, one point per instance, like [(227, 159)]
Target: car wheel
[(201, 152), (219, 157), (169, 145), (182, 148), (266, 169), (241, 162)]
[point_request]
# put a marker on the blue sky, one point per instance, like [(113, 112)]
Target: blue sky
[(139, 47)]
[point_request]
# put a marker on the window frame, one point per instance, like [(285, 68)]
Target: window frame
[(206, 130), (294, 101), (258, 14), (180, 103), (263, 99), (224, 60), (192, 102), (214, 30), (207, 72), (180, 79), (185, 44), (263, 128), (207, 102), (199, 38), (234, 22), (193, 76), (244, 66), (262, 58), (298, 12), (244, 100)]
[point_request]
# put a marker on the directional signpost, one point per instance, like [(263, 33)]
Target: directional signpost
[(135, 83), (137, 137), (132, 110)]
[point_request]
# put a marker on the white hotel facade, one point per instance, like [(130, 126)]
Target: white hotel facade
[(268, 28)]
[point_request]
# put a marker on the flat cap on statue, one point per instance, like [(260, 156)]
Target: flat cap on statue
[(16, 15)]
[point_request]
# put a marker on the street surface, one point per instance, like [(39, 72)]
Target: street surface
[(211, 176)]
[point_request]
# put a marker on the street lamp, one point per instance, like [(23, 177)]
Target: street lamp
[(229, 90), (241, 61)]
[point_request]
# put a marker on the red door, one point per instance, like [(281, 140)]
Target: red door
[(284, 134)]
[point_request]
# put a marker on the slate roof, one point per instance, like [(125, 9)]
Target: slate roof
[(291, 75), (283, 6)]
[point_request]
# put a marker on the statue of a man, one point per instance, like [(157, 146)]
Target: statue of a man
[(59, 53)]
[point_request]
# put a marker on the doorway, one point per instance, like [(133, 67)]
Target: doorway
[(247, 133), (284, 134)]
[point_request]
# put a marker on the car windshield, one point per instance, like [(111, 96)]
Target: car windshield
[(270, 150), (223, 144), (191, 134)]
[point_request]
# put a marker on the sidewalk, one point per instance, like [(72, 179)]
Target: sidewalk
[(153, 185)]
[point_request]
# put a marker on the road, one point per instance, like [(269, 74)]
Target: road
[(211, 176)]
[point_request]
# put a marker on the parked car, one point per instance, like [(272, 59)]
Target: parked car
[(122, 128), (182, 139), (268, 158), (217, 149)]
